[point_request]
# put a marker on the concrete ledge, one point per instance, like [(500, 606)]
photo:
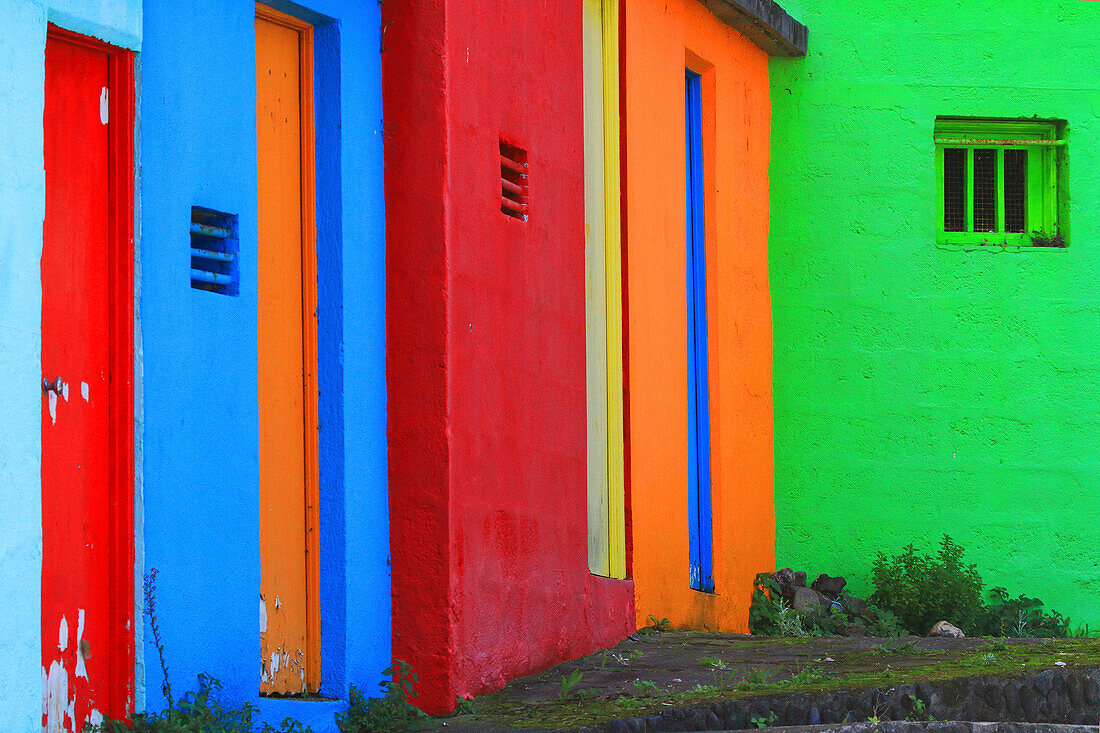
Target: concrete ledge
[(936, 726), (764, 23)]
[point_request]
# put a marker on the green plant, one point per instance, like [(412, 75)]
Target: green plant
[(645, 687), (464, 705), (701, 689), (756, 678), (917, 709), (197, 712), (766, 605), (149, 592), (712, 662), (1083, 632), (922, 589), (390, 712), (655, 626), (764, 721), (1021, 616), (568, 682), (807, 675)]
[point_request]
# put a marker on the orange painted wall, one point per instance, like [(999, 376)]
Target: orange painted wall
[(662, 37)]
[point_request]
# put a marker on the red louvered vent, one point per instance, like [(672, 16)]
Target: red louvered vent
[(513, 181)]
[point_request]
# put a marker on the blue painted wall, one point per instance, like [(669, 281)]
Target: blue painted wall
[(201, 511), (22, 191)]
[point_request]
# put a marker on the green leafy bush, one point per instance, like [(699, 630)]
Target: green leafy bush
[(769, 615), (197, 712), (924, 589), (1020, 616), (391, 712)]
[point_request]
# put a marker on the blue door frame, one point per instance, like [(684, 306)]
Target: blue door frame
[(701, 554)]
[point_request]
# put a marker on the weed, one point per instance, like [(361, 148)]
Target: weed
[(391, 712), (655, 626), (995, 646), (917, 709), (1083, 632), (988, 659), (149, 591), (723, 679), (197, 712), (712, 662), (645, 687), (464, 705), (922, 589), (807, 675), (568, 682), (756, 678), (701, 689), (1021, 617), (764, 721)]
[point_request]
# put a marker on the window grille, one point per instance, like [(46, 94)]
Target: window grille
[(997, 182)]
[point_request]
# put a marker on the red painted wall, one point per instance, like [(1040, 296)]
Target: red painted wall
[(486, 348)]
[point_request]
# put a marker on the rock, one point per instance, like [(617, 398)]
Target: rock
[(854, 606), (806, 599), (946, 629), (785, 579), (830, 587), (857, 629), (800, 579)]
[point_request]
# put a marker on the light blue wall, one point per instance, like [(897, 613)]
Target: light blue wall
[(200, 402), (22, 191)]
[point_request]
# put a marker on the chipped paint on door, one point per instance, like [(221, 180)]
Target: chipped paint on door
[(290, 633), (87, 444)]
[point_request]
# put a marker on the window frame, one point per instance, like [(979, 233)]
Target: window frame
[(1041, 214)]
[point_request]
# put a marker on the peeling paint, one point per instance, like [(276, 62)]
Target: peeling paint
[(84, 391), (263, 616), (63, 635), (104, 107), (83, 648), (56, 698), (65, 390), (95, 718), (53, 408), (278, 603)]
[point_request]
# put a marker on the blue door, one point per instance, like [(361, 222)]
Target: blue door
[(701, 555)]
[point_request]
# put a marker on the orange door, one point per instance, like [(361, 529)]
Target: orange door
[(289, 624)]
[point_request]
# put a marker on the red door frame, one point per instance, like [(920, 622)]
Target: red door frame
[(121, 362)]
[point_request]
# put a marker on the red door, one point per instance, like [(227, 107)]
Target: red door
[(87, 456)]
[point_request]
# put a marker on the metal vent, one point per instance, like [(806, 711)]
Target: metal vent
[(513, 181), (214, 250), (954, 190)]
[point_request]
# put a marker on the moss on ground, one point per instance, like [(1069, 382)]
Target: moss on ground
[(873, 668)]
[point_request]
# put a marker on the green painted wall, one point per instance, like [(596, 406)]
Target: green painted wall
[(921, 390)]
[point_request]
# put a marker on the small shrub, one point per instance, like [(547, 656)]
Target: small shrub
[(1019, 617), (391, 712), (197, 712), (922, 589), (764, 721), (568, 682), (645, 687), (656, 626), (766, 606)]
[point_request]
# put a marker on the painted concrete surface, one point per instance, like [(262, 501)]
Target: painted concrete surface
[(921, 390), (662, 39), (486, 351), (201, 470), (22, 47)]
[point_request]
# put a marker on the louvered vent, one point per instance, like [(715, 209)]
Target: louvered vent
[(214, 250), (513, 181)]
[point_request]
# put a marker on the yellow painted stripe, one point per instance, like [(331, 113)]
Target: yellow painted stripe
[(616, 514)]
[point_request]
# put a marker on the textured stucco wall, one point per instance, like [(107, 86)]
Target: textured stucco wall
[(660, 36), (22, 189), (201, 462), (487, 348), (920, 390)]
